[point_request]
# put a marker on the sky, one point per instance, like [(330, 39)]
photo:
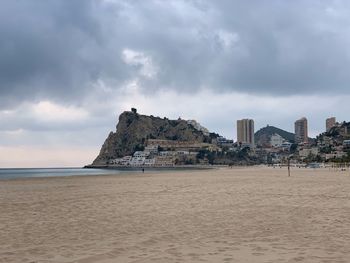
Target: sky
[(68, 68)]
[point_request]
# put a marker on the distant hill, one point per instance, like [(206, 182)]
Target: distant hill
[(262, 136)]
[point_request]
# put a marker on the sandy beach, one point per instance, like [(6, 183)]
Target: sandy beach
[(225, 215)]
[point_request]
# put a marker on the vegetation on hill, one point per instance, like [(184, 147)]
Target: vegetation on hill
[(262, 136)]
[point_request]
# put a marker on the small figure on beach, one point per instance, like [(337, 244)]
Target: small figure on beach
[(143, 170)]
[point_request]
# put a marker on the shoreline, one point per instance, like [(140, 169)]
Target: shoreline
[(151, 167), (30, 173), (127, 171)]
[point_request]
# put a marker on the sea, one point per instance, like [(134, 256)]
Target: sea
[(14, 173)]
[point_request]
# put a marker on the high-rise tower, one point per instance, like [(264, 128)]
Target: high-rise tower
[(245, 131), (301, 134)]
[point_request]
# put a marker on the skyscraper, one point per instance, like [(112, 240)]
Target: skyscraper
[(301, 134), (245, 131), (330, 122)]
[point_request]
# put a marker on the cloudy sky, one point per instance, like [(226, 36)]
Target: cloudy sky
[(68, 68)]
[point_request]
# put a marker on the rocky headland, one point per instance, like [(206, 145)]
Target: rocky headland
[(134, 130)]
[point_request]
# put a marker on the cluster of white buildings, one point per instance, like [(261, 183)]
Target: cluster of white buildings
[(152, 157), (277, 141)]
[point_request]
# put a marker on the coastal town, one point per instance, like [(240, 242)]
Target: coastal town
[(269, 145)]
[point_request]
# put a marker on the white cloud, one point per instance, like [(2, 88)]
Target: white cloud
[(43, 114), (135, 58), (228, 39), (48, 111)]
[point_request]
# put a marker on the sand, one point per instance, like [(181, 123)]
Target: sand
[(226, 215)]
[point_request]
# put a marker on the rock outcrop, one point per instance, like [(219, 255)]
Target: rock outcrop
[(337, 134), (133, 130)]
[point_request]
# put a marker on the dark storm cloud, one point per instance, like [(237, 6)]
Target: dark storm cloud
[(53, 49), (58, 50)]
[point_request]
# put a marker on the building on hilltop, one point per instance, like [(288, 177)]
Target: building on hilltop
[(245, 131), (330, 123), (301, 131)]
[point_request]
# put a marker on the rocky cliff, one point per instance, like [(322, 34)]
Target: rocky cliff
[(134, 129)]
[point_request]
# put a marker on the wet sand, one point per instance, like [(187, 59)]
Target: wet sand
[(226, 215)]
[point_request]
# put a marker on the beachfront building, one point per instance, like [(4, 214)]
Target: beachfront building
[(245, 132), (330, 122), (125, 160), (164, 161), (301, 131), (152, 149), (137, 161), (149, 162), (167, 153), (141, 154)]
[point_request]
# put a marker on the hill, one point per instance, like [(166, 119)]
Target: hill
[(133, 130), (262, 136)]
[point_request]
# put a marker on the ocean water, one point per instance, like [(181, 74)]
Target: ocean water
[(13, 173)]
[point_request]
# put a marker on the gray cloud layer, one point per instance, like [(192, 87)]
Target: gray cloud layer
[(61, 49)]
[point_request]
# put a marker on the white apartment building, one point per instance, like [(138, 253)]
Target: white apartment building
[(137, 161), (182, 152), (151, 149), (167, 153), (139, 154), (276, 140), (149, 162), (125, 160), (164, 161)]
